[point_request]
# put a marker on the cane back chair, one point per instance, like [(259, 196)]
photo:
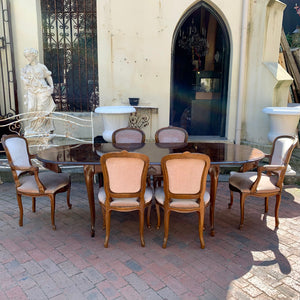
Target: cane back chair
[(128, 135)]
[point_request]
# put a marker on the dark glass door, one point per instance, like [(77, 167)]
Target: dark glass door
[(200, 73)]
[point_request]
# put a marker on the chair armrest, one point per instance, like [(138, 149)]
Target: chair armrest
[(266, 168), (271, 168), (27, 169), (34, 171)]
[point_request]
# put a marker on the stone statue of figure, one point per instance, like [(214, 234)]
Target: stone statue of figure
[(38, 85)]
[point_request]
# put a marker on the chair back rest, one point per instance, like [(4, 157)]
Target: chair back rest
[(128, 135), (185, 174), (16, 149), (282, 149), (171, 134), (124, 173)]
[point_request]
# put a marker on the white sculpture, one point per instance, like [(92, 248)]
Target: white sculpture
[(38, 85)]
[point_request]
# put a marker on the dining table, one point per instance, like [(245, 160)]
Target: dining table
[(88, 156)]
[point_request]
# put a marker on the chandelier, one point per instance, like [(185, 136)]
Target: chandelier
[(193, 40)]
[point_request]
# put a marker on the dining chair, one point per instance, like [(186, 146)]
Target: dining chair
[(124, 190), (267, 181), (125, 135), (128, 135), (28, 180), (184, 189), (169, 134)]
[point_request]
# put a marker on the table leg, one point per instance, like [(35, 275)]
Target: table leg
[(89, 175), (214, 172)]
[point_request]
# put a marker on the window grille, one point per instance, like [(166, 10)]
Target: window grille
[(70, 52)]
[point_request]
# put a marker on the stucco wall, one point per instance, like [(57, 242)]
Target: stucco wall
[(26, 29), (266, 82), (135, 45), (134, 53)]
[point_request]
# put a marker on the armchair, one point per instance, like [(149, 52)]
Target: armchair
[(28, 180), (267, 181)]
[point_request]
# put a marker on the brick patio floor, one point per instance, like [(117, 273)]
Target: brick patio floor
[(255, 263)]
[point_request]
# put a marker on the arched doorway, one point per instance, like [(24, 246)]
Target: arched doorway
[(200, 63)]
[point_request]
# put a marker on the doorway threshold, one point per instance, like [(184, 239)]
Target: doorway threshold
[(209, 139)]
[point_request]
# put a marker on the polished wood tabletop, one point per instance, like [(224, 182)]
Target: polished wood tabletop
[(88, 156), (81, 154)]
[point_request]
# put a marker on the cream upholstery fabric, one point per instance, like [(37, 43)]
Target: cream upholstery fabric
[(171, 136), (184, 175), (244, 181), (179, 203), (280, 150), (124, 174), (125, 201), (52, 182), (18, 152)]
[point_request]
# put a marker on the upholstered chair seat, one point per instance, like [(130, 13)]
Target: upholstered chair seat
[(52, 182), (180, 203), (125, 202), (244, 182)]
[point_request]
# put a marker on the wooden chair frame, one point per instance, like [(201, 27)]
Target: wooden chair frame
[(269, 170), (169, 195), (32, 170), (107, 208)]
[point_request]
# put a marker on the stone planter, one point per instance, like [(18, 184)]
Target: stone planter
[(114, 117), (283, 120)]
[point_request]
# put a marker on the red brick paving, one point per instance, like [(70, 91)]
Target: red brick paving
[(255, 263)]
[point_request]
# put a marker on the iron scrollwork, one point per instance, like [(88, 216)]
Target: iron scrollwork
[(139, 120)]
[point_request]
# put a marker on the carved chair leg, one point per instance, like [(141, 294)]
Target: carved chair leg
[(100, 179), (19, 198), (157, 215), (52, 200), (107, 227), (160, 181), (266, 204), (242, 207), (149, 215), (68, 198), (142, 221), (278, 200), (201, 227), (103, 217), (33, 204), (149, 180), (231, 199), (166, 222)]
